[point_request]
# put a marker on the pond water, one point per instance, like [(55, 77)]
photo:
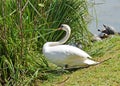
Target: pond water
[(108, 13)]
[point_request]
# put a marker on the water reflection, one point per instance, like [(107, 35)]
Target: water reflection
[(108, 12)]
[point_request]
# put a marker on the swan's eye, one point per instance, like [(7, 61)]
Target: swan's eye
[(61, 26)]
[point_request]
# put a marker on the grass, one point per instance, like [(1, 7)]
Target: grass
[(105, 74), (25, 25)]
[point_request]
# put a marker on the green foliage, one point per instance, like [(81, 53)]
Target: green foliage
[(26, 25)]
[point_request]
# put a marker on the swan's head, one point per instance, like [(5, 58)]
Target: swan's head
[(65, 27)]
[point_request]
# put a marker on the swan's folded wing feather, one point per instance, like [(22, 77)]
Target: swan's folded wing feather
[(63, 51)]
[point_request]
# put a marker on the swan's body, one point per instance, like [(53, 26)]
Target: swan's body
[(62, 55), (109, 30)]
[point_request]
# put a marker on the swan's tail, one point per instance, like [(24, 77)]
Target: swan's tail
[(91, 62)]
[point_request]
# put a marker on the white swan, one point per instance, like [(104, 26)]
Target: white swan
[(66, 55)]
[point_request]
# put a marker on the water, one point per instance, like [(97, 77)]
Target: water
[(108, 12)]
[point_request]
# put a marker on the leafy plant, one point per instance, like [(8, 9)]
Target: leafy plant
[(26, 25)]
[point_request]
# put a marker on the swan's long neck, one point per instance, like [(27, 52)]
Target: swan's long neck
[(62, 41)]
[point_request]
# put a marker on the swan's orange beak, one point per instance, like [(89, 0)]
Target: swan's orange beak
[(60, 28)]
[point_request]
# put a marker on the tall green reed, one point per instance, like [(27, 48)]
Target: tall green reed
[(26, 25)]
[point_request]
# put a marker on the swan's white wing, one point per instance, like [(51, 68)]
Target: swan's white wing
[(66, 50), (65, 54)]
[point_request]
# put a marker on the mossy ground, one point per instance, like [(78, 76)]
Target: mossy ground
[(105, 74)]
